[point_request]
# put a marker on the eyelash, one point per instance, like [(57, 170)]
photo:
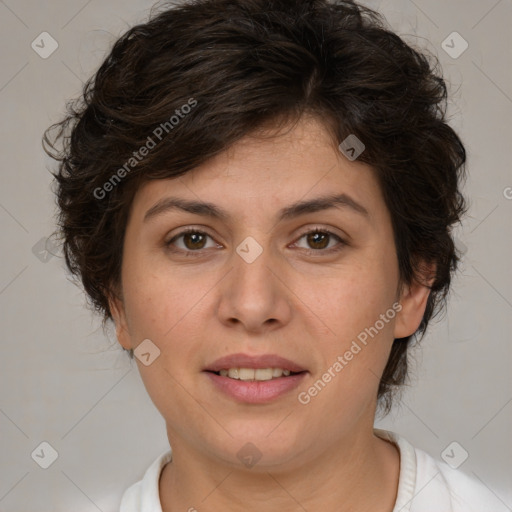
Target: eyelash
[(316, 252)]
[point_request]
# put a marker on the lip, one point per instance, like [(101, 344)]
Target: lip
[(256, 392), (254, 362)]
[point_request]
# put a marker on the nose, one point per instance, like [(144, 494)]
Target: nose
[(254, 294)]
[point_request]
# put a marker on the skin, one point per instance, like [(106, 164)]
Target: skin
[(306, 307)]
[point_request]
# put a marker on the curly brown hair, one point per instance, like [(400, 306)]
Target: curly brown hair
[(247, 63)]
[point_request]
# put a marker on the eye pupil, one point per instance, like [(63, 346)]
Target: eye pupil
[(195, 239), (313, 238)]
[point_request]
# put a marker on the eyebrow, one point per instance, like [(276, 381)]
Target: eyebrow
[(294, 210)]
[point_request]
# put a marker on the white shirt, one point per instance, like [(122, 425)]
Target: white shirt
[(425, 485)]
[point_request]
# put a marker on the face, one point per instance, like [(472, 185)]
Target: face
[(266, 284)]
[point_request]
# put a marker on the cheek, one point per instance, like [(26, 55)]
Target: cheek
[(358, 295), (358, 309), (164, 308), (158, 310), (353, 360)]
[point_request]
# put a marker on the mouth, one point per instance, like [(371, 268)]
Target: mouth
[(255, 379), (257, 367), (255, 374)]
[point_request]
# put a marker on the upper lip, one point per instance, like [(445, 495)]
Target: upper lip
[(257, 361)]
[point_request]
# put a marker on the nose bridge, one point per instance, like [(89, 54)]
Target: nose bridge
[(253, 293), (252, 262)]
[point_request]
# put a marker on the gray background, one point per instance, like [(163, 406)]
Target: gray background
[(62, 381)]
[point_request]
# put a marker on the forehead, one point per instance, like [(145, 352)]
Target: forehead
[(270, 171)]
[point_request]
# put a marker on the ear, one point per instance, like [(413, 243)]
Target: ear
[(413, 299), (119, 316)]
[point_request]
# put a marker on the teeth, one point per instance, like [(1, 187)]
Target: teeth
[(233, 373), (245, 373), (254, 374), (263, 374)]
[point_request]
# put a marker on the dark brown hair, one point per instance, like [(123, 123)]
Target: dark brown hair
[(242, 64)]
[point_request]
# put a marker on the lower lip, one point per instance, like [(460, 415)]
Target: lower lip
[(256, 392)]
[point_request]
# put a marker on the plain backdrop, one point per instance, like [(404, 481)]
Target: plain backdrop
[(66, 383)]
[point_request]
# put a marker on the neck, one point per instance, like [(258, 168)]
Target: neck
[(360, 474)]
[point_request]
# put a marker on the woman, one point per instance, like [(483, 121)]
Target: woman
[(260, 195)]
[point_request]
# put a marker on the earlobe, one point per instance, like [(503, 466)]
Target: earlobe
[(413, 300), (118, 315)]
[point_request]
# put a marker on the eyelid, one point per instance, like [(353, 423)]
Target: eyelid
[(323, 229), (189, 229), (203, 229), (342, 240)]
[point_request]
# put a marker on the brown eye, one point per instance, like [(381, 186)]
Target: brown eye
[(193, 240), (318, 241)]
